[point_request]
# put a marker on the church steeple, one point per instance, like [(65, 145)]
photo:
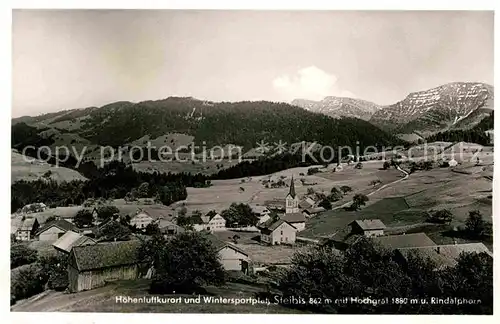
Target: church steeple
[(292, 188)]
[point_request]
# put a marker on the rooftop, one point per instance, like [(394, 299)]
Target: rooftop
[(60, 223), (445, 255), (71, 239), (294, 217), (404, 241), (369, 224), (106, 255)]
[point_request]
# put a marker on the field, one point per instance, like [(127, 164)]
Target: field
[(401, 205), (21, 169), (104, 300)]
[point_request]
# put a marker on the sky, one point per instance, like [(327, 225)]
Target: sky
[(67, 59)]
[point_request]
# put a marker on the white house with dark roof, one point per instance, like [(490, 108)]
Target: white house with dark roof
[(367, 227), (230, 256), (277, 232), (214, 222), (145, 216)]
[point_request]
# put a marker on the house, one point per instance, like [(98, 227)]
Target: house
[(27, 230), (307, 202), (297, 220), (34, 208), (55, 229), (71, 239), (212, 223), (442, 255), (146, 216), (367, 227), (91, 266), (311, 212), (276, 205), (291, 200), (393, 242), (168, 228), (230, 256), (277, 232), (262, 212)]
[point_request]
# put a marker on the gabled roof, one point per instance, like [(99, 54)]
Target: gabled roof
[(219, 244), (270, 225), (259, 209), (60, 223), (28, 224), (369, 224), (206, 219), (106, 255), (154, 213), (404, 241), (445, 255), (71, 239), (294, 218), (314, 210)]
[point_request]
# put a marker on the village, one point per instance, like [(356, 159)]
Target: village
[(105, 249)]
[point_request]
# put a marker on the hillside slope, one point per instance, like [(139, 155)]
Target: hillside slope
[(240, 123)]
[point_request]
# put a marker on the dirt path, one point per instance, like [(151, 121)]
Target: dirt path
[(378, 189)]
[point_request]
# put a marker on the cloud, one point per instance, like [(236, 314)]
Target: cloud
[(309, 83)]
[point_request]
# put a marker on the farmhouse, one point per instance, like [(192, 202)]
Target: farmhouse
[(277, 232), (442, 255), (33, 208), (168, 228), (71, 239), (146, 216), (55, 229), (27, 230), (230, 256), (212, 223), (367, 227), (262, 212), (393, 242), (91, 266), (307, 202)]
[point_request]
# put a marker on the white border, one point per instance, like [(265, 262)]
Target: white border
[(5, 100)]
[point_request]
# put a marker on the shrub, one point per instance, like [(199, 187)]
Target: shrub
[(20, 255)]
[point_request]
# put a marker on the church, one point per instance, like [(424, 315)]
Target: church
[(292, 212)]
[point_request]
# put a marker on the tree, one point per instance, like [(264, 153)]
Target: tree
[(239, 215), (185, 221), (185, 264), (106, 212), (143, 190), (476, 226), (83, 218), (386, 165), (335, 194), (20, 255), (152, 229), (358, 200), (56, 268), (113, 232), (345, 189), (235, 238), (443, 216), (310, 191), (326, 204)]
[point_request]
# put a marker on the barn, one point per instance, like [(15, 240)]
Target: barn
[(230, 256), (55, 229), (91, 266)]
